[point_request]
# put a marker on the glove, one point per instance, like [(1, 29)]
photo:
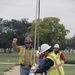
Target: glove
[(15, 40), (62, 62), (33, 69), (31, 74)]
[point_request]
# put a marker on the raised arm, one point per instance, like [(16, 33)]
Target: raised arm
[(14, 45)]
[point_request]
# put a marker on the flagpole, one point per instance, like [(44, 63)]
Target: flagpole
[(38, 21), (36, 25)]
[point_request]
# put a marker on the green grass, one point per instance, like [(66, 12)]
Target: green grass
[(7, 61), (69, 56), (69, 70), (9, 58), (1, 73), (13, 58), (5, 67)]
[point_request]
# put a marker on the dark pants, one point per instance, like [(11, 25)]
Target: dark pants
[(45, 73)]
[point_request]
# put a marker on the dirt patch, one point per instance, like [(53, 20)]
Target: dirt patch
[(15, 71)]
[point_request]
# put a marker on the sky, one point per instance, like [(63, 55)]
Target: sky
[(62, 9)]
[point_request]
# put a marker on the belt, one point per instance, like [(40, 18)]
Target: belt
[(25, 65)]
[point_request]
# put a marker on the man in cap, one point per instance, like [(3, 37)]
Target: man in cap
[(52, 64), (59, 53), (25, 55)]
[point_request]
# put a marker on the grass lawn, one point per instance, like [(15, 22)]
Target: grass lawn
[(69, 56), (9, 58), (69, 70), (13, 58), (7, 61)]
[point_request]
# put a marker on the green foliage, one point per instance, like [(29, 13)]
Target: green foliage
[(50, 31), (11, 29)]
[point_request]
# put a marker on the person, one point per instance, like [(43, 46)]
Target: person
[(52, 63), (26, 55), (41, 61), (59, 53)]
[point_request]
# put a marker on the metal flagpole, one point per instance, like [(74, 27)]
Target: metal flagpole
[(35, 32), (36, 25), (38, 20)]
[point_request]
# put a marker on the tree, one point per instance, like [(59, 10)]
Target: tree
[(72, 42), (12, 29), (50, 31)]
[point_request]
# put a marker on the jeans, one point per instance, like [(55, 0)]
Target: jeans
[(24, 70)]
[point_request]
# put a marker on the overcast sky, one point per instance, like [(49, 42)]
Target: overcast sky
[(62, 9)]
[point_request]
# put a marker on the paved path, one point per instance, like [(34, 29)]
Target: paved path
[(14, 71)]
